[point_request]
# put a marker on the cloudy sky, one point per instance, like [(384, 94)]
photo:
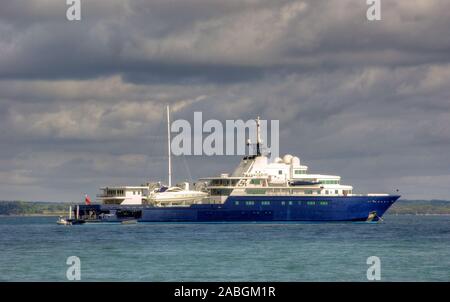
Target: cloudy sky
[(82, 102)]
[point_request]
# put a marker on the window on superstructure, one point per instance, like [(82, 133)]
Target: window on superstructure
[(280, 172), (255, 181), (221, 192), (329, 182), (216, 182)]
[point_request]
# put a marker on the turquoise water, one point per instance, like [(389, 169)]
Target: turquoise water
[(411, 248)]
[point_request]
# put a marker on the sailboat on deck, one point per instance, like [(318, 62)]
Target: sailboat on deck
[(154, 194), (176, 195)]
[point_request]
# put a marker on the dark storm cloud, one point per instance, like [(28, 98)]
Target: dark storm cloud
[(215, 41), (82, 103)]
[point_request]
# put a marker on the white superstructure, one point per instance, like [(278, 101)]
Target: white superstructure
[(124, 195), (256, 175)]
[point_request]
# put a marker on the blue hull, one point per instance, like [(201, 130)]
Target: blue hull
[(254, 208)]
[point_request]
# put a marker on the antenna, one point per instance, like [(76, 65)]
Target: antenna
[(168, 145), (258, 138)]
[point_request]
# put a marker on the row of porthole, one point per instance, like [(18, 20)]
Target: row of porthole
[(267, 203)]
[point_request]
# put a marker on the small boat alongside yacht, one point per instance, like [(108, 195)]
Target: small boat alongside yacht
[(69, 220)]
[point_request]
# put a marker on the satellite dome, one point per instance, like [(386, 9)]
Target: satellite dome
[(287, 159), (295, 161), (277, 160)]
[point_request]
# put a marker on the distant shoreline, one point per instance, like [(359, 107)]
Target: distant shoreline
[(417, 214), (33, 215)]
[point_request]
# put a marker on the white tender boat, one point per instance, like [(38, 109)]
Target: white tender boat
[(176, 196), (69, 220)]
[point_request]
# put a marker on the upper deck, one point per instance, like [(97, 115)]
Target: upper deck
[(255, 175)]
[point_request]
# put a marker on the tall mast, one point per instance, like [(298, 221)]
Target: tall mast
[(258, 138), (168, 145)]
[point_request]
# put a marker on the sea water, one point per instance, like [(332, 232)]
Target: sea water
[(410, 248)]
